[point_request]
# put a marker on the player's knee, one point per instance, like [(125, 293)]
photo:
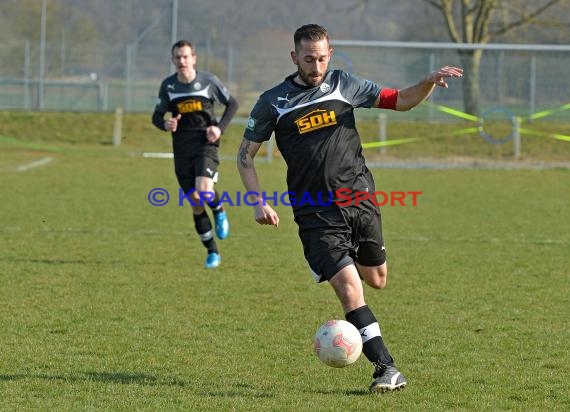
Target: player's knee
[(378, 278), (205, 187), (198, 210), (377, 283)]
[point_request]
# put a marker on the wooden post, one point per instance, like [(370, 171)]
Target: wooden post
[(517, 138), (270, 144), (117, 130)]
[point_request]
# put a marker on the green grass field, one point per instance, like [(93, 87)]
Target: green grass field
[(106, 305)]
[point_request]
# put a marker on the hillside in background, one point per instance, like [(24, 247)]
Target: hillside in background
[(106, 27)]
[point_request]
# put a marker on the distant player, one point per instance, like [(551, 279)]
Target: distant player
[(312, 115), (190, 95)]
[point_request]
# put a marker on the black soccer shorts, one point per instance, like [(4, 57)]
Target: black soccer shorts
[(338, 237), (187, 169)]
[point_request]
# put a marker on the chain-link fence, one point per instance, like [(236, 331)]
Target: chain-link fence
[(524, 79)]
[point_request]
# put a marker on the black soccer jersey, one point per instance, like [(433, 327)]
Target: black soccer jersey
[(195, 102), (315, 132)]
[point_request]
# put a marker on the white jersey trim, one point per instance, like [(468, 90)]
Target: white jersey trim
[(203, 93), (335, 95)]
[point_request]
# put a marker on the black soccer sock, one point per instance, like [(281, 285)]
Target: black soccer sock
[(215, 203), (373, 345), (204, 229)]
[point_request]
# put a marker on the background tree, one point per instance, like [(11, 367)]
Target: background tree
[(481, 21), (85, 36), (69, 34)]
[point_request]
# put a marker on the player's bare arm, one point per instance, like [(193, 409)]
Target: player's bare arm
[(411, 96), (264, 214)]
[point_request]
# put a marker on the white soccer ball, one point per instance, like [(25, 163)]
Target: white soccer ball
[(338, 343)]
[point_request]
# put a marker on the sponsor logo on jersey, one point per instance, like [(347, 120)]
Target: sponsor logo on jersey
[(325, 87), (188, 106), (316, 119), (251, 123)]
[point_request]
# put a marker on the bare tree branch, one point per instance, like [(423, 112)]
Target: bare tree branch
[(482, 21), (525, 19), (447, 10), (434, 4), (471, 21), (477, 15), (467, 22)]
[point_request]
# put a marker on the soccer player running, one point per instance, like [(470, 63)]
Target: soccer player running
[(190, 95), (311, 114)]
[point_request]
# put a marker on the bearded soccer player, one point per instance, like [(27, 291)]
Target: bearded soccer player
[(312, 115), (190, 95)]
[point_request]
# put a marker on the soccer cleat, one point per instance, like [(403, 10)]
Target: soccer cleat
[(387, 378), (222, 225), (213, 260)]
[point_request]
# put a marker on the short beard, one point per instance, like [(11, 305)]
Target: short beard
[(306, 78)]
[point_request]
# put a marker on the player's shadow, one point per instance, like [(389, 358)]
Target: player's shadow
[(347, 392), (74, 261), (121, 377), (239, 390), (107, 377)]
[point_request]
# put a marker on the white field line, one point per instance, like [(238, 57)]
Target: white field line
[(162, 155), (42, 162), (158, 155)]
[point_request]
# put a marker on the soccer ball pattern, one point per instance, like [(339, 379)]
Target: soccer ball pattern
[(338, 343)]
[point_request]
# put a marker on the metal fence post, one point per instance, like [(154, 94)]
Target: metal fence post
[(42, 73), (532, 85), (27, 72)]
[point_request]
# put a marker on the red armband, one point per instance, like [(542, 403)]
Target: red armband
[(388, 99)]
